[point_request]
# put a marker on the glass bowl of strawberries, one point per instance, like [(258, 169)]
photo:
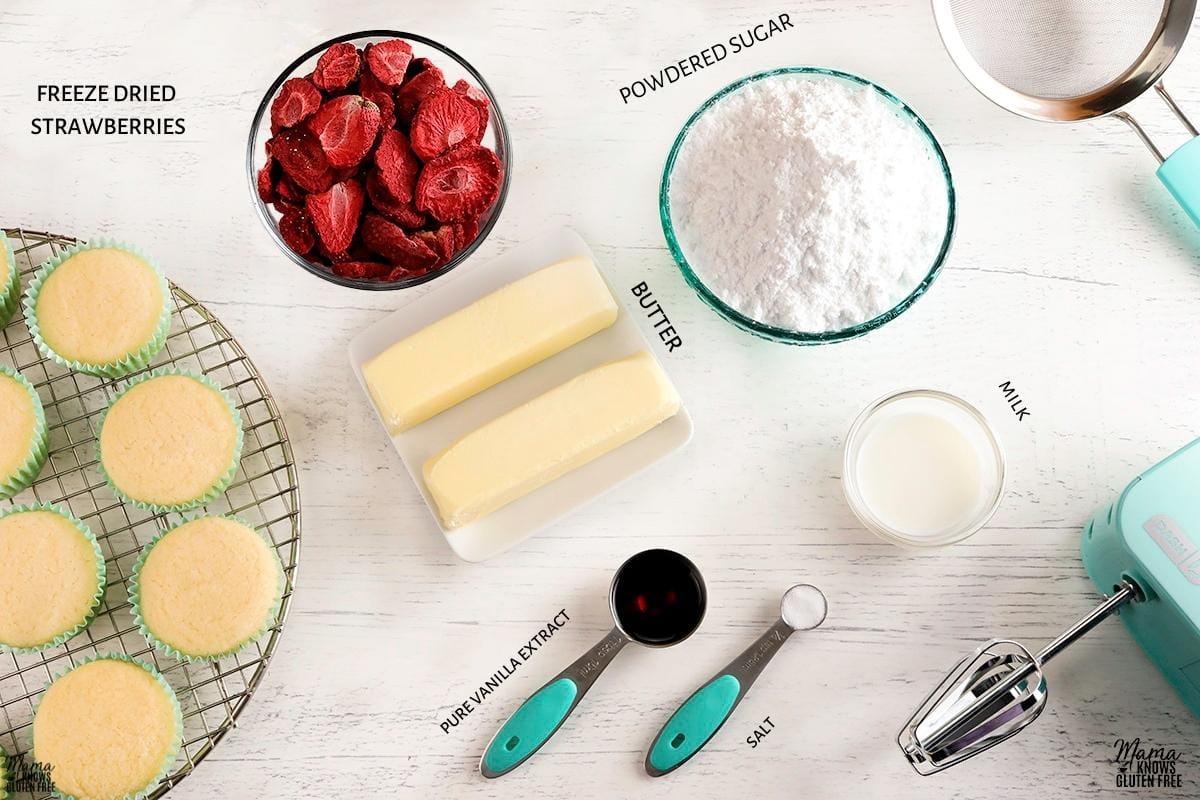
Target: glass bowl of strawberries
[(379, 160)]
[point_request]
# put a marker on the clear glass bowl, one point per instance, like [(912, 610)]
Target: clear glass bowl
[(455, 67), (771, 332), (854, 496)]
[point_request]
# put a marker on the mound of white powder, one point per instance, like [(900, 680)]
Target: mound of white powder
[(807, 203)]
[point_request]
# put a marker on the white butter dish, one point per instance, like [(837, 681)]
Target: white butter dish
[(512, 524)]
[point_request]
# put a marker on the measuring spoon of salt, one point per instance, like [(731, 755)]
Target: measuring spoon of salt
[(700, 717)]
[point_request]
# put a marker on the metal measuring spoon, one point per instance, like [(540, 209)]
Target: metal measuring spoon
[(700, 717), (657, 599)]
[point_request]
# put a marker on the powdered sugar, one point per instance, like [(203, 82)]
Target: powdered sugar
[(807, 203)]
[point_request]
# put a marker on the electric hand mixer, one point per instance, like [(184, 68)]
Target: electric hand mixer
[(1145, 547)]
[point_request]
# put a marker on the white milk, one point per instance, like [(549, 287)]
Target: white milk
[(925, 467)]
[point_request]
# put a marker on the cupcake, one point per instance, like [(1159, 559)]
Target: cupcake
[(51, 577), (100, 308), (170, 441), (3, 774), (108, 729), (22, 433), (10, 291), (206, 588)]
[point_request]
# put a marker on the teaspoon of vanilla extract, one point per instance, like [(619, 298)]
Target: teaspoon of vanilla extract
[(657, 598), (802, 608)]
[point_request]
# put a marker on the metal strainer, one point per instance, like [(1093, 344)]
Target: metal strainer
[(1067, 60)]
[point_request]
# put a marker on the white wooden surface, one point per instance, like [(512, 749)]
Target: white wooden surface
[(1072, 275)]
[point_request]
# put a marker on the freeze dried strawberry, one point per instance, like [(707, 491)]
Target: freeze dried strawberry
[(430, 240), (378, 93), (297, 100), (397, 165), (288, 190), (444, 120), (465, 232), (286, 206), (409, 218), (265, 181), (387, 108), (447, 242), (417, 86), (470, 229), (361, 269), (337, 67), (296, 230), (347, 127), (462, 183), (403, 214), (389, 241), (330, 257), (389, 60), (335, 215), (417, 66), (473, 93), (403, 273), (300, 156), (478, 98)]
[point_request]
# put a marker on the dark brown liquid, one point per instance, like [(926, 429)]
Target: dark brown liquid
[(659, 597)]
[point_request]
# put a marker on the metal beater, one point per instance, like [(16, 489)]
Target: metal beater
[(991, 695)]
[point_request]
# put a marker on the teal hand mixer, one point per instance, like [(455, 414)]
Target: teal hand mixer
[(1145, 549)]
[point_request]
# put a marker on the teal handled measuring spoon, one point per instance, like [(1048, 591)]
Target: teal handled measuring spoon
[(657, 598), (700, 717)]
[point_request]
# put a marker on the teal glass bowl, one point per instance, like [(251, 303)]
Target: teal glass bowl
[(785, 335)]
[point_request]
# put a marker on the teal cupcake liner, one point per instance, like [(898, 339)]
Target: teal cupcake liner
[(27, 473), (135, 597), (177, 739), (123, 366), (217, 488), (10, 294), (3, 774), (101, 577)]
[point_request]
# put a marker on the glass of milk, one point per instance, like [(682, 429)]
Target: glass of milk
[(923, 468)]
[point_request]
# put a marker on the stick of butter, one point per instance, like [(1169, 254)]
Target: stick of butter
[(489, 341), (549, 436)]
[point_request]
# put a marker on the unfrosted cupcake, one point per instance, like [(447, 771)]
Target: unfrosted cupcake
[(108, 729), (206, 588), (51, 577), (10, 292), (170, 441), (22, 433), (100, 308)]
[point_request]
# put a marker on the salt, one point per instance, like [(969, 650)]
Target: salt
[(808, 204)]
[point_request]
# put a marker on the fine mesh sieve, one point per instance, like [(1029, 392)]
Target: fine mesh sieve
[(1066, 60)]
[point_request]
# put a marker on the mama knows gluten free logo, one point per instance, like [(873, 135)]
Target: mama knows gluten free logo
[(28, 776), (1142, 767)]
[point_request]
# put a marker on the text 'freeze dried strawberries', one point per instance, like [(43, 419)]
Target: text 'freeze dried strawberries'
[(376, 166)]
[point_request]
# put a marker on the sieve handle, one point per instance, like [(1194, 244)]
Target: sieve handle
[(1180, 173)]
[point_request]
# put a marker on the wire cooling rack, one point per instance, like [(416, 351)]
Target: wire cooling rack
[(265, 494)]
